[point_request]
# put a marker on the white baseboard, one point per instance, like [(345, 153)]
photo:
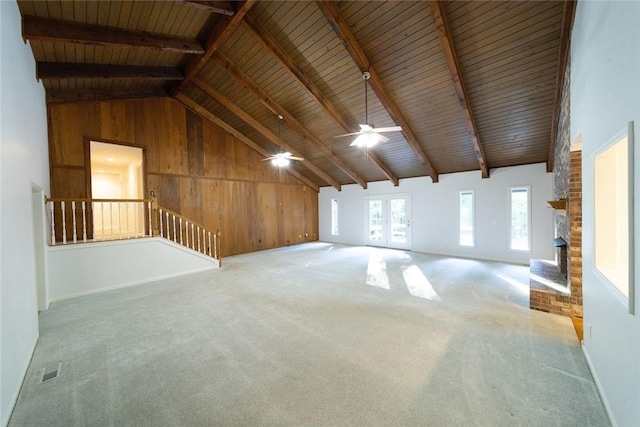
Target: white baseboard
[(596, 380), (473, 257), (134, 283), (16, 393)]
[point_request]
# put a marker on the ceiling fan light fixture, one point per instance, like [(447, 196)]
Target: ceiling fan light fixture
[(367, 140), (280, 161)]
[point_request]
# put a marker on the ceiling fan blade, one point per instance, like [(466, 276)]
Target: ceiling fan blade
[(347, 134), (295, 158), (388, 129), (268, 158), (381, 138)]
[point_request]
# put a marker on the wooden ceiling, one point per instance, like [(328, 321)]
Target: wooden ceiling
[(474, 85)]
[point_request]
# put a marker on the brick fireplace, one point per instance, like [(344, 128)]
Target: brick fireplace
[(559, 290)]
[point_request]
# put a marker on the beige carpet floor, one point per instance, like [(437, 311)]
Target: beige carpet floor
[(313, 335)]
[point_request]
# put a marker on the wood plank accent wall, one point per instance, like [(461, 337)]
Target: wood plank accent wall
[(195, 168)]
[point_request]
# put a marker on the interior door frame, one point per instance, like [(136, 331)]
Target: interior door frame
[(87, 161), (387, 241), (87, 171)]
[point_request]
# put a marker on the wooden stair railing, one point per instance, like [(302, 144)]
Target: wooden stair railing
[(181, 230), (95, 220)]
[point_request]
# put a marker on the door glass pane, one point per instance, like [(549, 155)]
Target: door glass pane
[(398, 220), (466, 219), (520, 219), (375, 220)]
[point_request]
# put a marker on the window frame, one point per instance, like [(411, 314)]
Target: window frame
[(528, 189), (335, 226), (473, 218)]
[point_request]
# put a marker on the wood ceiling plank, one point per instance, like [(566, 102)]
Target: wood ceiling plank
[(343, 31), (495, 70), (193, 106), (58, 70), (55, 9), (34, 28), (462, 12), (231, 106), (276, 108), (444, 33), (114, 14), (221, 31), (263, 36), (506, 24), (92, 12)]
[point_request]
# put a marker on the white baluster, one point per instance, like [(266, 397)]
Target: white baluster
[(126, 204), (204, 242), (161, 231), (135, 219), (84, 221), (111, 218), (198, 238), (150, 225), (181, 232), (119, 205), (73, 211), (186, 232), (215, 245), (102, 218), (174, 228), (209, 249), (193, 238), (64, 224), (168, 236), (53, 223)]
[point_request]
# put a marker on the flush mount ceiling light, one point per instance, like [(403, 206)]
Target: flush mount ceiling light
[(283, 158), (369, 135)]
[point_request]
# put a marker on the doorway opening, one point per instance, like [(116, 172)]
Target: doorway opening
[(117, 173), (388, 221), (38, 227)]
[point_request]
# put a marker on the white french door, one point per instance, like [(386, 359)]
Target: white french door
[(388, 221)]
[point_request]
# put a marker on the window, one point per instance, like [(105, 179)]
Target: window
[(613, 188), (467, 218), (520, 236), (334, 217)]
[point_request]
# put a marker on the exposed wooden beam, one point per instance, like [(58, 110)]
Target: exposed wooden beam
[(568, 15), (221, 31), (444, 33), (219, 7), (53, 30), (231, 106), (208, 115), (63, 70), (262, 35), (340, 27), (94, 94), (276, 108)]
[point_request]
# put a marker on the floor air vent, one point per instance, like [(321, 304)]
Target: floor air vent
[(50, 372)]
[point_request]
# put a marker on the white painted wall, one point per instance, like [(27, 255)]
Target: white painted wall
[(83, 269), (435, 212), (24, 162), (605, 95)]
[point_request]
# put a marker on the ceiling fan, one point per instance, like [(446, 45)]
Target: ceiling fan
[(282, 158), (369, 135)]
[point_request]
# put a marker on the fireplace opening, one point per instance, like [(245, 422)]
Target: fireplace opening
[(561, 254)]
